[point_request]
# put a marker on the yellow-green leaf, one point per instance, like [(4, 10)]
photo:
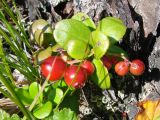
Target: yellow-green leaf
[(101, 76)]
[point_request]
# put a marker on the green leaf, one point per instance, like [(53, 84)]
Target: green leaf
[(60, 84), (6, 116), (70, 29), (43, 39), (3, 114), (43, 111), (100, 44), (65, 114), (71, 101), (41, 32), (115, 50), (113, 28), (77, 49), (34, 88), (85, 19), (101, 76), (55, 95), (14, 117), (56, 48), (43, 54), (24, 96)]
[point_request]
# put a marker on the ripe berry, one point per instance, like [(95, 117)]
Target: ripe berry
[(54, 66), (137, 67), (75, 76), (122, 68), (88, 66), (113, 59), (107, 63)]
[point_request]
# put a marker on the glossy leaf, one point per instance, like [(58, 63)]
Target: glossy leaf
[(70, 29), (85, 19), (113, 28), (34, 88), (150, 110), (41, 32), (55, 95), (43, 111), (115, 50), (43, 54), (60, 84), (24, 96), (101, 76), (65, 114), (56, 48), (43, 39), (100, 44), (77, 49)]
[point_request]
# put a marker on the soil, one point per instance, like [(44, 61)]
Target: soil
[(142, 40)]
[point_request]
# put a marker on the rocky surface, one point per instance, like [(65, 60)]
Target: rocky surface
[(150, 13)]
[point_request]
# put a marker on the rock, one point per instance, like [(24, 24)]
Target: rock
[(150, 12), (102, 8), (154, 58)]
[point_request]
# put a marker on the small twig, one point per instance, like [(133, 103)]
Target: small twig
[(84, 97), (74, 61)]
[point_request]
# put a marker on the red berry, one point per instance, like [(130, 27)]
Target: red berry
[(107, 63), (114, 59), (88, 66), (137, 67), (54, 66), (122, 68), (75, 76)]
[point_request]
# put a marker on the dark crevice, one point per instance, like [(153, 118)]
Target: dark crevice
[(59, 9), (158, 30)]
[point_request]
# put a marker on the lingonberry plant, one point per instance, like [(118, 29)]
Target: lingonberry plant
[(67, 55)]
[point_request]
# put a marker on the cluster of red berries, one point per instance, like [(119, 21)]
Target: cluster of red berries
[(136, 67), (54, 67), (75, 76)]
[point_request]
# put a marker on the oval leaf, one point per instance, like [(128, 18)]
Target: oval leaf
[(101, 76), (24, 96), (43, 54), (100, 44), (43, 111), (113, 28), (43, 39), (85, 19), (77, 49), (65, 114), (70, 29), (55, 95), (42, 32), (115, 50), (33, 91)]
